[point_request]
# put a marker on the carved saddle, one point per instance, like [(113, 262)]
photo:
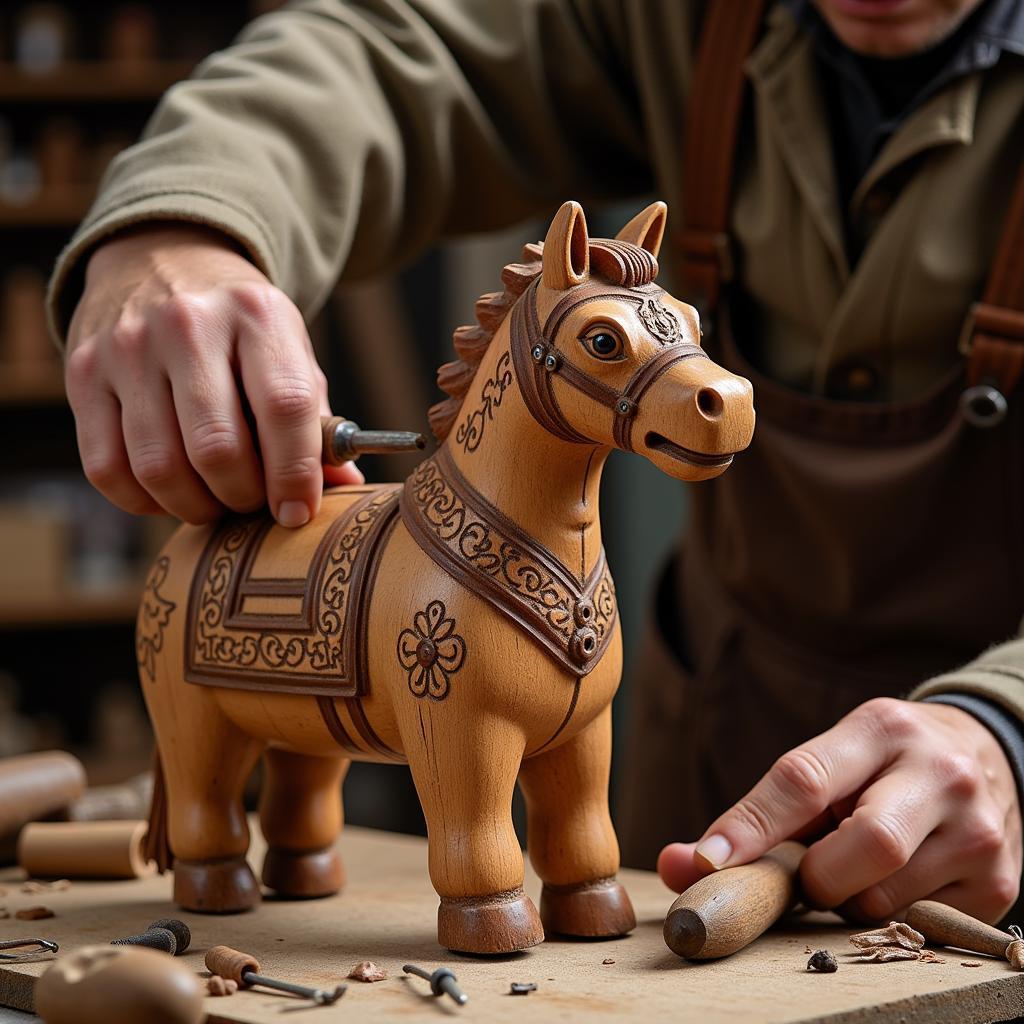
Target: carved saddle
[(250, 626)]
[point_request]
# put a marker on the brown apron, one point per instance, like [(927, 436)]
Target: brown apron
[(854, 551)]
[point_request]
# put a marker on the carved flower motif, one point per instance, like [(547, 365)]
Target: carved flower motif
[(431, 652)]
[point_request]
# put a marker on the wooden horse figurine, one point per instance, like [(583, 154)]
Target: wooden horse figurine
[(464, 623)]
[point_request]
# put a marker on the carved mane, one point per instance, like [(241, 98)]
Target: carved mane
[(617, 261)]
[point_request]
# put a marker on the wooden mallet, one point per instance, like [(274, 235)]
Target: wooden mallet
[(727, 910)]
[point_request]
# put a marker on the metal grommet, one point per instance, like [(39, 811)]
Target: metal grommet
[(983, 406), (624, 407), (551, 362), (537, 352)]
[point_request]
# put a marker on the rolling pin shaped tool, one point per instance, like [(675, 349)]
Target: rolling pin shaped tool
[(946, 926), (245, 970), (725, 911), (345, 441)]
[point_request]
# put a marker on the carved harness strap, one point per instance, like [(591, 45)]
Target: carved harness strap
[(537, 361), (481, 548)]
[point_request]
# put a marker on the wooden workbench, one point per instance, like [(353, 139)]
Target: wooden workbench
[(387, 915)]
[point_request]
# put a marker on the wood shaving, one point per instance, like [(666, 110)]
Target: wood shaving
[(218, 986), (926, 956), (970, 963), (886, 954), (807, 949), (607, 961), (367, 970), (34, 887), (896, 934), (33, 913)]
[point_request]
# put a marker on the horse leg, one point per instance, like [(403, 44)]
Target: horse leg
[(206, 761), (570, 836), (465, 777), (301, 817)]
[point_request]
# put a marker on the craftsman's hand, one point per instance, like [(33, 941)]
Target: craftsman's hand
[(175, 337), (906, 801)]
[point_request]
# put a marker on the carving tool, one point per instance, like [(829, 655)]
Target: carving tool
[(245, 970), (345, 441), (946, 926), (168, 935), (42, 946), (727, 910), (442, 980)]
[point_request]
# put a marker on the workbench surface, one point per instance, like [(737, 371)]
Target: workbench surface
[(387, 914)]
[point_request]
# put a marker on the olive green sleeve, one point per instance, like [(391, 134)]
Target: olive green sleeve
[(349, 134), (997, 675)]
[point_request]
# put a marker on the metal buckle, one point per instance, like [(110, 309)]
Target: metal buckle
[(983, 406)]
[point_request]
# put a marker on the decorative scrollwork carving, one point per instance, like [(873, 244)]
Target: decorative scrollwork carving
[(154, 616), (471, 431), (660, 321), (471, 539), (431, 652)]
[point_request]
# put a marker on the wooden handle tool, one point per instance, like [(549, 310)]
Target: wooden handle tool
[(946, 926), (727, 910), (345, 441), (245, 970)]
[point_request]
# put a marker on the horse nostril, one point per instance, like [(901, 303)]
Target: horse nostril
[(710, 402)]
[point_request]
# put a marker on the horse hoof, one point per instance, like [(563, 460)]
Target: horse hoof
[(502, 923), (593, 910), (215, 886), (305, 875)]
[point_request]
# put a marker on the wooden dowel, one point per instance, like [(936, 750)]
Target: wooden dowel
[(949, 927), (84, 849), (727, 910)]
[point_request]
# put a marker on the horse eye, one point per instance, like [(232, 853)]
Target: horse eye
[(603, 344)]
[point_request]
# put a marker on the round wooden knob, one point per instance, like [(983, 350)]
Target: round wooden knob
[(118, 985), (230, 963)]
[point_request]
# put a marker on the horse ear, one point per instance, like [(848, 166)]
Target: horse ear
[(567, 249), (647, 228)]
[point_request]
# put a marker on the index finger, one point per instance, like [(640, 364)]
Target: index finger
[(284, 396), (797, 789)]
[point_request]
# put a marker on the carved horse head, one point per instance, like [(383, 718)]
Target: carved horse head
[(605, 356)]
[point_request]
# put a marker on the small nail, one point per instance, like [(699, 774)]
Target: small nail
[(716, 850), (293, 513)]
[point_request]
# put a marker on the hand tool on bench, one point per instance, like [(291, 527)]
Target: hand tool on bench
[(726, 910), (245, 970), (947, 926)]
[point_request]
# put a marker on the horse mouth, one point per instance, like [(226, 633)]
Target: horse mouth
[(658, 443)]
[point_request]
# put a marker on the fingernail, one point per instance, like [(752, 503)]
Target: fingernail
[(716, 850), (293, 513)]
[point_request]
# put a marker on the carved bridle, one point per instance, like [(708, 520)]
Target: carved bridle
[(537, 360)]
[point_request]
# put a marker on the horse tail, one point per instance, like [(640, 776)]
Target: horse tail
[(157, 845)]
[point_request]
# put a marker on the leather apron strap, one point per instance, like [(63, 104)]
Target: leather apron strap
[(993, 333), (713, 114)]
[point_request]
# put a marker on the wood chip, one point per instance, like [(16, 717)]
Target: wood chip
[(34, 887), (896, 934), (218, 986), (886, 954), (33, 913), (367, 970), (970, 963), (4, 913), (807, 949), (926, 956), (823, 961), (607, 961), (522, 988)]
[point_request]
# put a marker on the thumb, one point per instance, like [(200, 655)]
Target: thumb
[(677, 868)]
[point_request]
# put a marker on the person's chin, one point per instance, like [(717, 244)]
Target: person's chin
[(882, 28)]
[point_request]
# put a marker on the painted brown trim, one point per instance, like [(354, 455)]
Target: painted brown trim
[(481, 548), (335, 726), (366, 731)]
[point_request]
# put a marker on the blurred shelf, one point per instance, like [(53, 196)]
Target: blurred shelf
[(18, 389), (91, 81), (74, 608), (63, 207)]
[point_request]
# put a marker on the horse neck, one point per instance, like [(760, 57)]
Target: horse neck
[(547, 486)]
